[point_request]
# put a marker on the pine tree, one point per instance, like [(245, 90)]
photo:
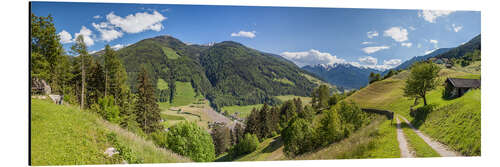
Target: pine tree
[(81, 49), (146, 109), (45, 48)]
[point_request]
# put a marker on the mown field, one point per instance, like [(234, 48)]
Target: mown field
[(184, 95), (65, 135), (244, 111)]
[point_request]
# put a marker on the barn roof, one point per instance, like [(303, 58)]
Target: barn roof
[(465, 83)]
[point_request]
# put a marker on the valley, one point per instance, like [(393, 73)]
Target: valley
[(162, 100)]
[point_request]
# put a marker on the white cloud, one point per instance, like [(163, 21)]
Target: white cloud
[(86, 33), (435, 42), (367, 43), (419, 45), (65, 37), (392, 62), (368, 60), (371, 34), (97, 17), (373, 49), (136, 23), (108, 32), (311, 57), (388, 64), (93, 51), (456, 28), (407, 44), (431, 15), (117, 46), (412, 28), (399, 34), (247, 34), (429, 51)]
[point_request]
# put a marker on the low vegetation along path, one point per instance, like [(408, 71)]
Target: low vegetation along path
[(403, 144), (441, 149)]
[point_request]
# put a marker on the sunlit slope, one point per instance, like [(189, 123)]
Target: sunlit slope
[(65, 135), (455, 122)]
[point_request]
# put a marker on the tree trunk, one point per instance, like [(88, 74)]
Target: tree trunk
[(106, 84), (83, 84), (425, 100)]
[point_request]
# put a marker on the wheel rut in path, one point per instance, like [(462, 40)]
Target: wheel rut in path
[(403, 143), (441, 149)]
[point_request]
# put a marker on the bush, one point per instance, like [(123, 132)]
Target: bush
[(188, 139), (107, 108), (298, 137), (222, 139), (331, 129), (248, 144), (351, 115), (160, 138), (124, 152)]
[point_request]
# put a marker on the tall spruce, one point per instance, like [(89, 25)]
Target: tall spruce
[(81, 49), (146, 109)]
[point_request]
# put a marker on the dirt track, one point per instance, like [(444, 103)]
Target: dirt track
[(441, 149)]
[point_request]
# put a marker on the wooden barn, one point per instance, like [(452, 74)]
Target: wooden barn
[(457, 87)]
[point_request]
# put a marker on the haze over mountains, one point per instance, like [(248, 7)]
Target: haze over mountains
[(342, 75)]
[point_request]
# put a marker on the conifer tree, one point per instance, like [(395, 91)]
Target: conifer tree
[(146, 109), (81, 49)]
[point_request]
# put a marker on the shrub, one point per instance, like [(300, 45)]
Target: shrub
[(123, 151), (331, 128), (248, 144), (351, 115), (107, 108), (188, 139), (160, 138), (298, 137), (221, 138)]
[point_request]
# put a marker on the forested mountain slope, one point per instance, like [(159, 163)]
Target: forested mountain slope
[(226, 73)]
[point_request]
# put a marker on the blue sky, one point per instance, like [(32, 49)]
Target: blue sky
[(377, 38)]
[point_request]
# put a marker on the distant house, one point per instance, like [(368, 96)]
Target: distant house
[(457, 87)]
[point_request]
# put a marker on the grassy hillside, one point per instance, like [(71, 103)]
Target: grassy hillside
[(455, 122), (184, 95), (270, 149), (245, 110), (305, 100), (377, 140), (65, 135)]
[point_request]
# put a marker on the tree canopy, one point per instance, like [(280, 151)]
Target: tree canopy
[(423, 78)]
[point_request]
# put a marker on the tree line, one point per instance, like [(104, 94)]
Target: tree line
[(301, 127)]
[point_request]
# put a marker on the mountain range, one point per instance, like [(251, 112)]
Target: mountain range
[(353, 77), (226, 73), (342, 75)]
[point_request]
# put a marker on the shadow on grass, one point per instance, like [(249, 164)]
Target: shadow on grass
[(420, 115), (274, 145)]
